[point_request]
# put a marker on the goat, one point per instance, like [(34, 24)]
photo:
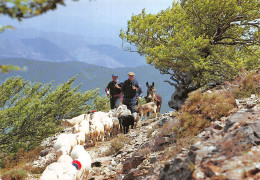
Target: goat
[(64, 144), (59, 171), (136, 117), (82, 156), (148, 107), (82, 127), (75, 120), (115, 125), (97, 131), (108, 126), (125, 122)]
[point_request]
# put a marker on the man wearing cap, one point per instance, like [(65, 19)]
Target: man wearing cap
[(113, 91), (132, 92)]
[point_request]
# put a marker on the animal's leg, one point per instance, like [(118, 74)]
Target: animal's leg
[(127, 129)]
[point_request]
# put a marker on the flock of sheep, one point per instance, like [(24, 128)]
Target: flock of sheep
[(74, 162)]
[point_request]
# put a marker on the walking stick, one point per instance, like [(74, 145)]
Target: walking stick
[(107, 99)]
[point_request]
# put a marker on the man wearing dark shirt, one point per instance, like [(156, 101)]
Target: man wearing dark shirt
[(132, 92), (113, 91)]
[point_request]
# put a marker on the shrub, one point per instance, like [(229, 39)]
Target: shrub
[(31, 112), (200, 109), (247, 84), (15, 174), (101, 103), (116, 145), (181, 143), (145, 152)]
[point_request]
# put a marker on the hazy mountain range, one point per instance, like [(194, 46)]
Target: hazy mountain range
[(90, 76), (62, 47)]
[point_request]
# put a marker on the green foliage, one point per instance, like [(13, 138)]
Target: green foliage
[(21, 9), (31, 112), (15, 174), (6, 68), (141, 101), (101, 103), (198, 41)]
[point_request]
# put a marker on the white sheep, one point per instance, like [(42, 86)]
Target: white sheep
[(64, 144), (136, 118), (80, 137), (108, 126), (80, 154), (62, 148), (112, 113), (82, 127), (115, 125), (98, 115), (97, 131), (75, 120), (121, 107), (64, 158), (59, 171), (123, 112)]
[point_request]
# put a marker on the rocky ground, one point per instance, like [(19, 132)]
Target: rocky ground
[(228, 149)]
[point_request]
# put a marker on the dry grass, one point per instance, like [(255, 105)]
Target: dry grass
[(15, 174), (200, 109), (167, 128), (144, 152), (13, 166), (116, 144), (246, 84), (14, 162), (181, 143)]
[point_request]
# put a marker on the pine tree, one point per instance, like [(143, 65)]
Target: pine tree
[(30, 112)]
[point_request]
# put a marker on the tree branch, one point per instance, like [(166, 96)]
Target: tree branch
[(171, 83)]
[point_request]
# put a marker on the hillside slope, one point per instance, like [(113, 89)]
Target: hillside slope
[(228, 149)]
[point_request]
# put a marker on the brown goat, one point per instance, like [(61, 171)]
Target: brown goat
[(148, 107)]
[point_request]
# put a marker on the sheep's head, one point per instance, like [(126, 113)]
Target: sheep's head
[(136, 116), (122, 107), (87, 117), (75, 128), (65, 122)]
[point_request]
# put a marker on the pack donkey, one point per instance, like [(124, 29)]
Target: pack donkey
[(152, 97)]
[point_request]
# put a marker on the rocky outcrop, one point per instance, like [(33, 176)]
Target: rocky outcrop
[(228, 149)]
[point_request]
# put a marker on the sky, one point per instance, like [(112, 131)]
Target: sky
[(90, 18)]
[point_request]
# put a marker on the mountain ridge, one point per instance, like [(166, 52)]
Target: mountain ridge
[(52, 46), (90, 76)]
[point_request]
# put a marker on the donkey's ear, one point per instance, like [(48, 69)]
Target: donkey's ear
[(147, 84), (153, 84)]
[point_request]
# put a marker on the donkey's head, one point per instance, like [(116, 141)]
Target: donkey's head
[(150, 92)]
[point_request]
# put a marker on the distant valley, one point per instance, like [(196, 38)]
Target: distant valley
[(62, 47), (90, 76)]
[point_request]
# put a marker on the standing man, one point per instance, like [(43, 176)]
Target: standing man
[(114, 92), (132, 92)]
